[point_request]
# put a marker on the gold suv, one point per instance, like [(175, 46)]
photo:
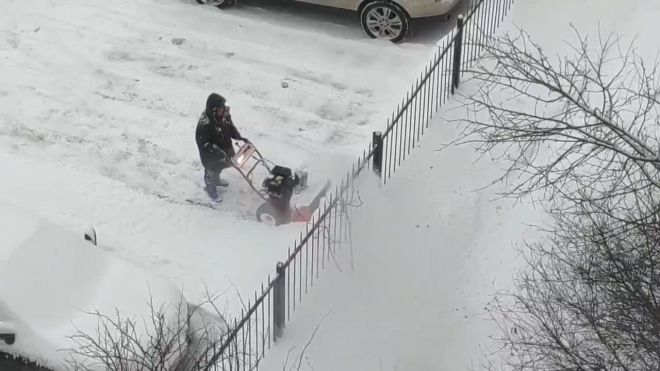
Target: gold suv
[(382, 19)]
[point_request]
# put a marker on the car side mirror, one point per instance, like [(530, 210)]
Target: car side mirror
[(90, 235), (8, 338)]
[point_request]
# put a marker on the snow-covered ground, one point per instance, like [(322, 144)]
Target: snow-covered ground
[(99, 102), (428, 252), (51, 279), (111, 90)]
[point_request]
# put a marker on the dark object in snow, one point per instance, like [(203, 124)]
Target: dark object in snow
[(285, 84), (90, 235), (178, 41)]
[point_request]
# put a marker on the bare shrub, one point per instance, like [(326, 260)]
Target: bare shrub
[(580, 132)]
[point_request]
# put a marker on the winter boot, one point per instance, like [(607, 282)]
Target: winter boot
[(213, 194), (212, 180)]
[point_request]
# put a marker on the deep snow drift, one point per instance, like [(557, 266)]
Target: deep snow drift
[(99, 102), (429, 252)]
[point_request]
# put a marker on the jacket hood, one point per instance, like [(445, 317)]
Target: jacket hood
[(212, 102)]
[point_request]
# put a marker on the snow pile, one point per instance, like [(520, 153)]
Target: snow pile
[(51, 279)]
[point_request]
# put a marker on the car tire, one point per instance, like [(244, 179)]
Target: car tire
[(222, 5), (387, 20)]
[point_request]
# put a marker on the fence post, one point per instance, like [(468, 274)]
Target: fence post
[(458, 47), (377, 141), (279, 302)]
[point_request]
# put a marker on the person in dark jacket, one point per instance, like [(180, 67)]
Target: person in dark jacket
[(214, 135)]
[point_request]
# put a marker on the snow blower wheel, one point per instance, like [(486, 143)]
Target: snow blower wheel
[(267, 213)]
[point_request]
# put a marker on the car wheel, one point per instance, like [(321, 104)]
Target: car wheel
[(222, 4), (385, 20)]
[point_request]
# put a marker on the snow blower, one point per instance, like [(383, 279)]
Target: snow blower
[(277, 188)]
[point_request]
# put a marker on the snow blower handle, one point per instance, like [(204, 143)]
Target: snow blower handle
[(245, 152)]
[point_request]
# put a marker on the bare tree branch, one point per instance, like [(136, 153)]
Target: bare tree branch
[(582, 127), (581, 133), (298, 364), (192, 342)]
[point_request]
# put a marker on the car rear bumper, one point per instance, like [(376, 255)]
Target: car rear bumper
[(429, 8)]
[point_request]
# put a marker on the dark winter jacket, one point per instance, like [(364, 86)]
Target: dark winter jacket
[(214, 137)]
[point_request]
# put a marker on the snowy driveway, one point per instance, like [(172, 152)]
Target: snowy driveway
[(99, 102)]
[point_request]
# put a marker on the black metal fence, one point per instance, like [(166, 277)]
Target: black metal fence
[(458, 51), (264, 319)]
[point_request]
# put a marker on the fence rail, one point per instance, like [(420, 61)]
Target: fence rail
[(265, 318)]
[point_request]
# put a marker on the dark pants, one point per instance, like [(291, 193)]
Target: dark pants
[(212, 175), (212, 178), (212, 181)]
